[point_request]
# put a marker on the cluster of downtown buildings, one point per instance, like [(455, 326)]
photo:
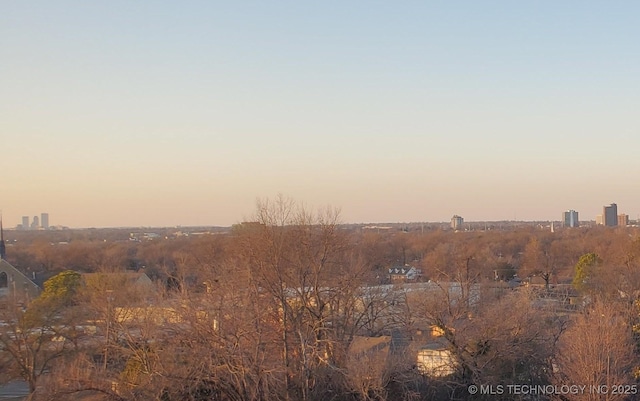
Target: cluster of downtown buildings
[(608, 218), (38, 223)]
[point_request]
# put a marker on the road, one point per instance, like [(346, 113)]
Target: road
[(14, 391)]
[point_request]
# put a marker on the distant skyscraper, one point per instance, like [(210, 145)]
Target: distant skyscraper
[(36, 223), (610, 215), (623, 220), (456, 222), (25, 222), (44, 220), (570, 218), (599, 220)]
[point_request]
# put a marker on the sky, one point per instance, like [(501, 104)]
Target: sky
[(160, 113)]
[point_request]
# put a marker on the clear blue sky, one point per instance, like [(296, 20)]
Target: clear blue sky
[(154, 113)]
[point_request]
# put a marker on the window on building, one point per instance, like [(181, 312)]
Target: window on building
[(4, 280)]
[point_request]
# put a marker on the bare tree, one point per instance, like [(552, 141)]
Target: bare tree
[(597, 350)]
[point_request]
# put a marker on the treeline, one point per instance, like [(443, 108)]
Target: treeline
[(524, 251), (291, 307)]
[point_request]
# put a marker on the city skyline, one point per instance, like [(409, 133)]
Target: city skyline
[(152, 114), (38, 222), (568, 219)]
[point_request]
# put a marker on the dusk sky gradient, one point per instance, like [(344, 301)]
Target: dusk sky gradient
[(158, 113)]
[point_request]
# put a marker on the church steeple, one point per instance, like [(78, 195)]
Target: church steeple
[(3, 248)]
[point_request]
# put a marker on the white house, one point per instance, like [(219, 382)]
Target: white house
[(405, 272)]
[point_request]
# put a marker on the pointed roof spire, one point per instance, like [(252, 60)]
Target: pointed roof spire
[(3, 249)]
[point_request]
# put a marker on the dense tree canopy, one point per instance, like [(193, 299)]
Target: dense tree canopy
[(294, 305)]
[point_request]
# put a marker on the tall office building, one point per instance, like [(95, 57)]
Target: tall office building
[(570, 218), (44, 220), (25, 222), (610, 215), (456, 222), (36, 223)]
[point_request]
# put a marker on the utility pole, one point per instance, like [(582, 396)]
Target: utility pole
[(106, 347)]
